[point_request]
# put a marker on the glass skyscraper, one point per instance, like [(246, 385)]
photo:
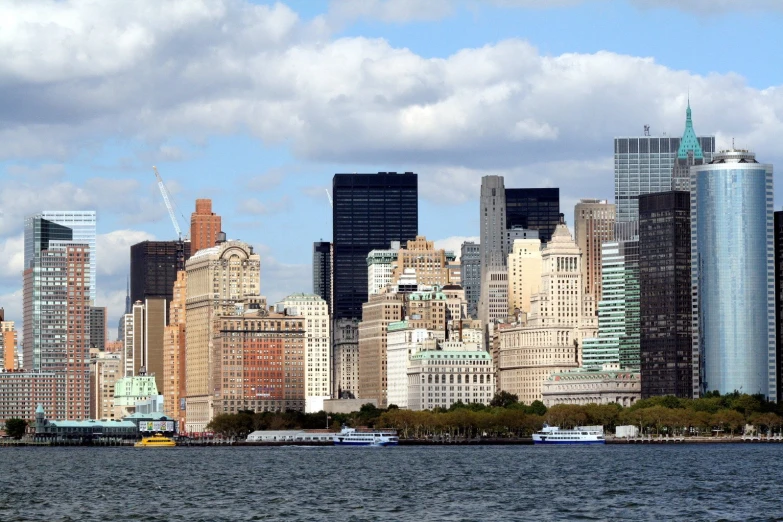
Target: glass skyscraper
[(533, 209), (644, 164), (370, 211), (732, 275)]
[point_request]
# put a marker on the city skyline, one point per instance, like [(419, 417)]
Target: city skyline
[(267, 179)]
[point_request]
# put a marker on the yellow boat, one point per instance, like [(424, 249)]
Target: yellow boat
[(156, 441)]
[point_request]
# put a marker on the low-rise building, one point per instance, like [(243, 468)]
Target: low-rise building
[(22, 391), (439, 378), (605, 386), (130, 390), (404, 341)]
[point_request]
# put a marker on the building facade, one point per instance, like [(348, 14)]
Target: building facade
[(377, 314), (205, 226), (440, 378), (665, 294), (154, 266), (345, 358), (430, 264), (21, 391), (733, 276), (218, 279), (470, 259), (9, 343), (322, 271), (318, 340), (608, 385), (370, 211), (524, 274), (380, 268), (593, 224), (105, 371), (174, 352), (533, 209), (403, 342), (98, 327), (644, 165), (778, 223)]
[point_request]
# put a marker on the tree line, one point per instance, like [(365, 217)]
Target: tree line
[(507, 417)]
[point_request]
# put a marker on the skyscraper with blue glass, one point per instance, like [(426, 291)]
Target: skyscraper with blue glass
[(732, 275)]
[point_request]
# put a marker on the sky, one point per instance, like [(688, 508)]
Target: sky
[(257, 104)]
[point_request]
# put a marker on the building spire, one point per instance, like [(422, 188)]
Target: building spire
[(128, 308), (689, 141)]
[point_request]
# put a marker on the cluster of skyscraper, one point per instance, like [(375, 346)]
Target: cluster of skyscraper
[(676, 288)]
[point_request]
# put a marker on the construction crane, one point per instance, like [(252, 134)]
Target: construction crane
[(165, 194), (330, 198)]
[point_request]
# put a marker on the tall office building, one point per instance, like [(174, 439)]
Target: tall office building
[(144, 353), (380, 268), (524, 274), (75, 226), (493, 250), (470, 259), (645, 164), (665, 294), (593, 224), (430, 264), (779, 299), (322, 271), (377, 313), (533, 209), (154, 266), (370, 211), (205, 226), (219, 280), (174, 352), (56, 305), (98, 327), (689, 153), (733, 276)]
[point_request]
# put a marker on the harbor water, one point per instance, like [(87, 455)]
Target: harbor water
[(683, 482)]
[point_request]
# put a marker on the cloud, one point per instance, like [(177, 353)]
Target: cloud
[(268, 180), (712, 7), (279, 279), (114, 250), (12, 259), (389, 11)]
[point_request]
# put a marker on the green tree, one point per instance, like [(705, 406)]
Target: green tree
[(537, 408), (503, 399), (15, 428)]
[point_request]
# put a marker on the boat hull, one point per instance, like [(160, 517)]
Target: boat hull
[(570, 442), (362, 443)]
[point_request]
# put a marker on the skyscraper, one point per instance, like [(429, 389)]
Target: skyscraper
[(322, 271), (689, 153), (470, 259), (98, 327), (370, 211), (154, 266), (493, 249), (593, 224), (665, 294), (533, 209), (205, 226), (733, 276), (644, 164), (779, 299), (75, 226)]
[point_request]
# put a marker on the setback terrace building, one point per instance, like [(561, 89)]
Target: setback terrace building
[(439, 378)]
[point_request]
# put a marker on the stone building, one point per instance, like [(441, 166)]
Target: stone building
[(439, 378), (605, 386)]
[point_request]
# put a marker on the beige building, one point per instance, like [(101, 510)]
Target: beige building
[(318, 369), (377, 313), (144, 345), (174, 352), (105, 371), (605, 386), (561, 315), (524, 274), (345, 355), (8, 345), (431, 265), (218, 278), (594, 224), (493, 302)]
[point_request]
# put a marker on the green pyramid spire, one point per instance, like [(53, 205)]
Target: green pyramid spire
[(689, 141)]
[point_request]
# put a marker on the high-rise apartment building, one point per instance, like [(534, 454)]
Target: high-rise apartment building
[(470, 259), (317, 361), (370, 211), (8, 343), (154, 266), (322, 271), (646, 164), (218, 279), (533, 209), (733, 275), (593, 224), (524, 274), (174, 352), (665, 294), (205, 226), (561, 316)]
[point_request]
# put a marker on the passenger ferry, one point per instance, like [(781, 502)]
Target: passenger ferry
[(352, 437), (156, 441), (578, 435)]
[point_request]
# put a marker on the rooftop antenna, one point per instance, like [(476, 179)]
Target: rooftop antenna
[(646, 130)]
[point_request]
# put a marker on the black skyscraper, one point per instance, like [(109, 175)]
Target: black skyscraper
[(665, 294), (322, 271), (534, 209), (779, 299), (370, 211), (154, 266)]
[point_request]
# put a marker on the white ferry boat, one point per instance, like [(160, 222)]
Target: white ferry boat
[(578, 435), (353, 437)]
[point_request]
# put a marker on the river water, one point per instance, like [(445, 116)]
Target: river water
[(677, 482)]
